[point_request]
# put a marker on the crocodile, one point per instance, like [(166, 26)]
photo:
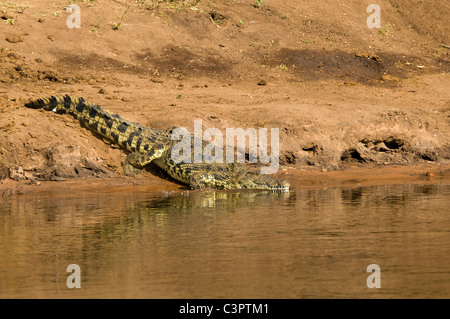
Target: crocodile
[(149, 145)]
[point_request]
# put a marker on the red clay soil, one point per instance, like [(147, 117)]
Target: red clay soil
[(342, 95)]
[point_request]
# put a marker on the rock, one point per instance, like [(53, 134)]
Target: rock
[(6, 16), (262, 83), (14, 39), (66, 161), (17, 174)]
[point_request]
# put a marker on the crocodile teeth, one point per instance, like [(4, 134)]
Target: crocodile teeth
[(54, 110)]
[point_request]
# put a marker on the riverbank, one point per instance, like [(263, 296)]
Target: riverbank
[(299, 179), (342, 95)]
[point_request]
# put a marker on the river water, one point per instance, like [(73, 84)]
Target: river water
[(305, 243)]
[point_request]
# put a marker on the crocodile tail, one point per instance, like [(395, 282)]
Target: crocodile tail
[(88, 114), (72, 105), (46, 103), (101, 121)]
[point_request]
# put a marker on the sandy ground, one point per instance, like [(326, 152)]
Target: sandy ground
[(345, 97)]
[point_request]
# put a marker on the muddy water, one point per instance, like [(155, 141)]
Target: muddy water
[(306, 243)]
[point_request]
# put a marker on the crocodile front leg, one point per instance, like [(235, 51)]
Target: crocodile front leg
[(202, 180), (134, 162)]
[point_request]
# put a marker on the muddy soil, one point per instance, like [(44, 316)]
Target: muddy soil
[(342, 95)]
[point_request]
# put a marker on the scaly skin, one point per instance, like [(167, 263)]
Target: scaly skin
[(148, 145)]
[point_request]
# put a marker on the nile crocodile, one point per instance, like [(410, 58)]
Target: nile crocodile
[(148, 145)]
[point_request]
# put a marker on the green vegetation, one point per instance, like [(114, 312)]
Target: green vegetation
[(9, 21), (11, 6), (384, 30), (118, 25)]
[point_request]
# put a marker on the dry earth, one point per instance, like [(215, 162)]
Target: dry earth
[(341, 94)]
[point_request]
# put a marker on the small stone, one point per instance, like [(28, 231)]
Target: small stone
[(6, 16), (262, 83), (14, 39)]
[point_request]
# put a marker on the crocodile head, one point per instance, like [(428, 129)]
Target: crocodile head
[(254, 180)]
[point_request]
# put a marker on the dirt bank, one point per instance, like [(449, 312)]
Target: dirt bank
[(340, 93), (420, 174)]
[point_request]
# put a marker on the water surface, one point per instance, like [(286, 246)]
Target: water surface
[(306, 243)]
